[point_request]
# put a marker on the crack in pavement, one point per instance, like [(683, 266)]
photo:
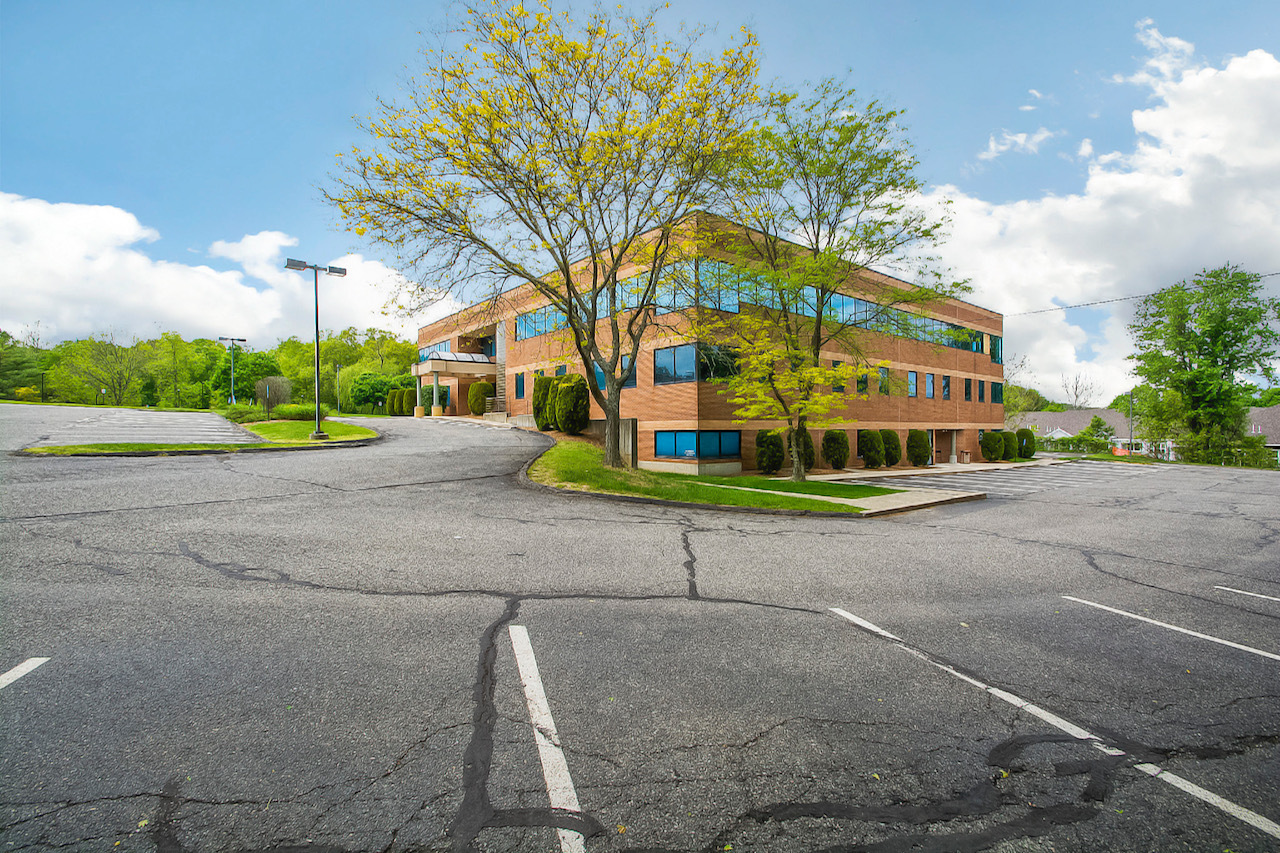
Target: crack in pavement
[(1089, 558)]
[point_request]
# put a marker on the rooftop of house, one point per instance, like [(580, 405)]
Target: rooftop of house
[(1073, 421), (1267, 423)]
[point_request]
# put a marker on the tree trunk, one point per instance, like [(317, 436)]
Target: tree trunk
[(612, 424), (797, 452)]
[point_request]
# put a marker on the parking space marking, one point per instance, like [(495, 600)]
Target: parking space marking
[(20, 670), (1239, 812), (1188, 631), (555, 770), (1243, 592)]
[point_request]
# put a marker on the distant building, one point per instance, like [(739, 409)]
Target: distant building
[(1066, 424), (1266, 423)]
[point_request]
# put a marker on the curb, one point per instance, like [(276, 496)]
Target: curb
[(24, 453), (522, 479)]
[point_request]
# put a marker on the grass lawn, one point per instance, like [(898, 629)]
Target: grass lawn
[(274, 433), (577, 465)]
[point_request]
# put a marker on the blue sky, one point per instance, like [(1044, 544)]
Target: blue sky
[(182, 145)]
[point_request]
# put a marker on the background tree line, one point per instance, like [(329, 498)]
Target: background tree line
[(172, 372)]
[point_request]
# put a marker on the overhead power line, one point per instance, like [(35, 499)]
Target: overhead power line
[(1101, 301)]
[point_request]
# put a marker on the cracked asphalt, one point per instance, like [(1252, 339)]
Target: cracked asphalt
[(308, 652)]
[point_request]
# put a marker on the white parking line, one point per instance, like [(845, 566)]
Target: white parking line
[(1188, 631), (1254, 594), (1239, 812), (20, 670), (555, 770)]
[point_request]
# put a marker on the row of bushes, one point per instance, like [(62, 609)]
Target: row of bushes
[(243, 413), (879, 448), (1002, 445), (401, 401), (561, 402)]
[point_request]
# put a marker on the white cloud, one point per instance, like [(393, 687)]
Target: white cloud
[(1026, 108), (1033, 93), (1020, 143), (85, 269), (1199, 187)]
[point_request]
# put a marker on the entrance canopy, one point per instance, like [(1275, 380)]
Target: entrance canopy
[(456, 364)]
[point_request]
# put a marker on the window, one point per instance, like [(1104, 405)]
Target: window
[(715, 362), (911, 383), (982, 391), (538, 322), (968, 390), (697, 444), (928, 386), (884, 381), (862, 383), (626, 362), (675, 364), (997, 355), (519, 386), (561, 370), (981, 433), (997, 392), (440, 346), (836, 389), (946, 387)]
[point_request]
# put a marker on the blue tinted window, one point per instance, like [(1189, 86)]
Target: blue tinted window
[(664, 444), (708, 444), (946, 387), (836, 388), (599, 377), (862, 384), (968, 390), (730, 443), (686, 363), (687, 444), (982, 391), (626, 365), (561, 370), (664, 366), (911, 383), (884, 381), (928, 386), (997, 392), (675, 364), (519, 386)]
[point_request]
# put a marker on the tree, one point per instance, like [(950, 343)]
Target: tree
[(369, 389), (1197, 338), (99, 365), (1018, 401), (558, 156), (1080, 390), (272, 391), (825, 191), (250, 367), (1158, 414), (18, 365)]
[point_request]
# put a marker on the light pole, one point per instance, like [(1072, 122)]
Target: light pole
[(294, 264), (337, 387), (234, 341)]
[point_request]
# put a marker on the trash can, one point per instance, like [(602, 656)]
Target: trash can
[(964, 456)]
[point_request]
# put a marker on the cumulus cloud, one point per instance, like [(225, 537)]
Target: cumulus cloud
[(1020, 143), (85, 269), (1199, 187)]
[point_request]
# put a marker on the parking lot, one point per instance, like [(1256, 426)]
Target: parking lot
[(397, 647)]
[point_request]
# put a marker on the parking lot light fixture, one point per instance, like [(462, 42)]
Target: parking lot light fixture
[(233, 341), (294, 264)]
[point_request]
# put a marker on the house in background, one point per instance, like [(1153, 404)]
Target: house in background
[(1069, 423), (945, 376), (1266, 423)]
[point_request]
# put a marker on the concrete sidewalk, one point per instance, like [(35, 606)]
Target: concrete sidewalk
[(146, 426), (940, 468)]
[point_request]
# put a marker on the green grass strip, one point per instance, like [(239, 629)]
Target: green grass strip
[(278, 434), (298, 431), (578, 466)]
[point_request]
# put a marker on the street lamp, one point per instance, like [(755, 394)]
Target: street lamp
[(294, 264), (234, 341)]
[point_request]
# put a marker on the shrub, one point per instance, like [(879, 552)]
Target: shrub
[(808, 456), (393, 400), (573, 404), (769, 451), (299, 412), (428, 390), (918, 449), (404, 401), (553, 396), (273, 391), (243, 413), (1010, 445), (542, 386), (476, 396), (892, 447), (992, 447), (871, 448), (835, 448), (1026, 443)]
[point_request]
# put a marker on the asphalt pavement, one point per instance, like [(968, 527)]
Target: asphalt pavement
[(398, 647)]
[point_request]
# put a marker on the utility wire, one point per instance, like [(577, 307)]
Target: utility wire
[(1101, 301)]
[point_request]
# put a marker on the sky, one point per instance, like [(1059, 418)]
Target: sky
[(159, 161)]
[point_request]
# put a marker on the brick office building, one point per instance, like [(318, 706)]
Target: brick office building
[(946, 377)]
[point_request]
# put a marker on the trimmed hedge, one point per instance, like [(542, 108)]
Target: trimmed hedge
[(476, 396), (871, 448), (892, 447), (1010, 446), (541, 390), (808, 456), (918, 449), (299, 412), (573, 404), (243, 413), (835, 448), (769, 451), (1026, 443), (552, 404), (428, 390), (992, 446)]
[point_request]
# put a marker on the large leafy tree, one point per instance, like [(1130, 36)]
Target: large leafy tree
[(560, 155), (19, 365), (1199, 338), (1158, 413), (826, 190), (250, 367), (99, 365)]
